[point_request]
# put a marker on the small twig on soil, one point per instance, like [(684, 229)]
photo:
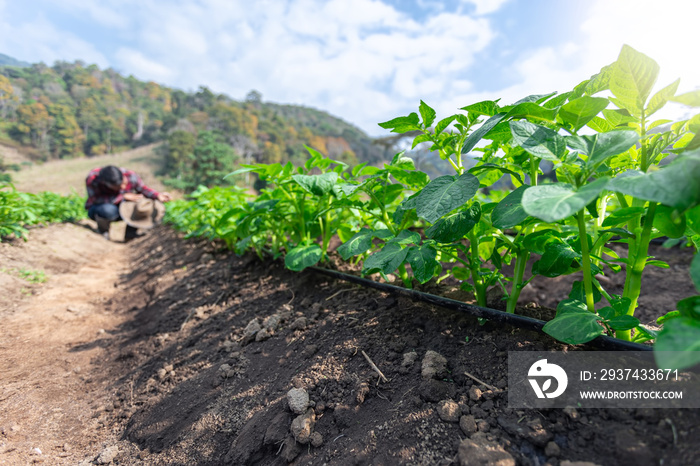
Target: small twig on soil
[(374, 366), (186, 320), (673, 429), (280, 448), (218, 299), (337, 293), (341, 435), (290, 301), (490, 387)]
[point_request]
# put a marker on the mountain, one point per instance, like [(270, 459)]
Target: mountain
[(6, 60), (72, 109)]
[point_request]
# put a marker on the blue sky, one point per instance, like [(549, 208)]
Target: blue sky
[(365, 61)]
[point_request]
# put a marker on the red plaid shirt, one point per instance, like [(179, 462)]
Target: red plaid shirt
[(99, 194)]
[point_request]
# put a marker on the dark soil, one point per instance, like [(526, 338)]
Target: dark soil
[(210, 344)]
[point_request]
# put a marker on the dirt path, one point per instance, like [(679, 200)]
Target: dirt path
[(174, 352), (52, 388)]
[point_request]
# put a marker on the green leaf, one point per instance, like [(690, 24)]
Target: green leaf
[(358, 244), (383, 234), (678, 344), (660, 264), (487, 108), (580, 111), (600, 125), (455, 226), (479, 133), (557, 101), (600, 81), (427, 113), (689, 307), (484, 167), (606, 312), (538, 140), (624, 215), (385, 261), (536, 242), (695, 271), (444, 194), (573, 323), (558, 259), (422, 261), (403, 162), (621, 306), (461, 273), (302, 257), (675, 185), (691, 98), (554, 202), (601, 146), (578, 292), (669, 222), (668, 316), (402, 124), (660, 98), (532, 111), (318, 185), (405, 237), (633, 77), (692, 219), (509, 212), (623, 323), (443, 124), (617, 231), (413, 179)]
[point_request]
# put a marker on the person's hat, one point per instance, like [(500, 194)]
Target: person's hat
[(144, 213)]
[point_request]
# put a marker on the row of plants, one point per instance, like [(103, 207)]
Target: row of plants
[(19, 210), (620, 176)]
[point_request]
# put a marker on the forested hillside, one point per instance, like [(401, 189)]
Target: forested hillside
[(72, 110)]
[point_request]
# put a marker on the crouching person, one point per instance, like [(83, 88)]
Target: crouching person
[(119, 194)]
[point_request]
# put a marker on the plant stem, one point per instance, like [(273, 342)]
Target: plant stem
[(403, 274), (533, 170), (633, 286), (585, 262), (327, 230), (475, 266), (520, 262), (645, 151), (598, 245)]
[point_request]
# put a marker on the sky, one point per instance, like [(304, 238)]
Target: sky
[(364, 61)]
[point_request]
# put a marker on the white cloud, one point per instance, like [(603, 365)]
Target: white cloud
[(364, 61), (39, 40), (138, 64), (484, 7), (104, 15)]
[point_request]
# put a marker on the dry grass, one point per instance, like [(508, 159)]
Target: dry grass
[(67, 176)]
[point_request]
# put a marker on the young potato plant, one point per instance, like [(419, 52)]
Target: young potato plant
[(201, 214), (377, 193), (19, 210), (298, 206), (620, 164), (617, 175)]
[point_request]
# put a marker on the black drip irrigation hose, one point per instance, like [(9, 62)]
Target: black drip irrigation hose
[(602, 342)]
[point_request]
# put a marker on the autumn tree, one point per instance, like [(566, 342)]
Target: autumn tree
[(32, 125), (7, 96), (66, 135)]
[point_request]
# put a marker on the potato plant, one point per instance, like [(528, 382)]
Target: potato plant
[(617, 175), (19, 210)]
